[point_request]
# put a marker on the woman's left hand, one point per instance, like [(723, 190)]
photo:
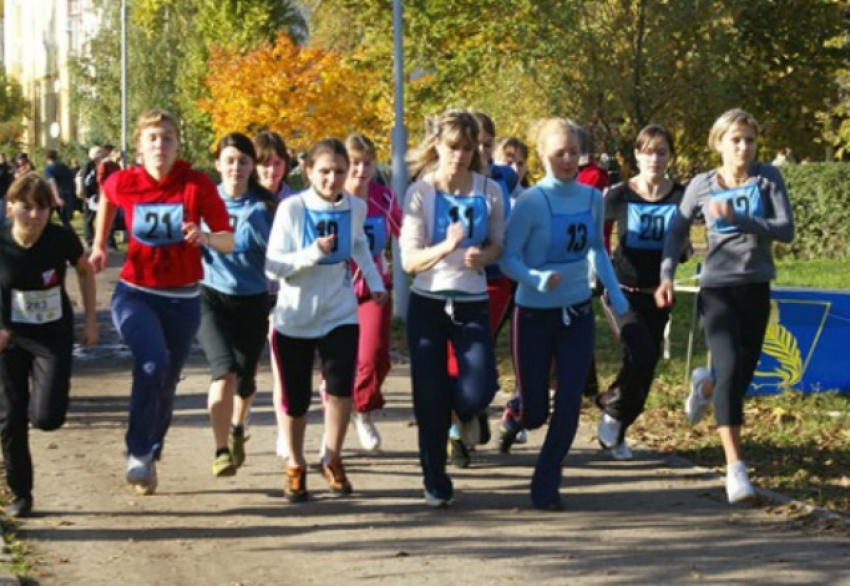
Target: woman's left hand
[(722, 210), (474, 258), (380, 298), (4, 338), (194, 236)]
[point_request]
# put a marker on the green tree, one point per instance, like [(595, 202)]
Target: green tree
[(14, 109), (166, 63)]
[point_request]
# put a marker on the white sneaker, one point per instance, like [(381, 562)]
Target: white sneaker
[(608, 431), (738, 487), (367, 433), (697, 403), (470, 432), (521, 437), (436, 502), (141, 473), (281, 447), (322, 448), (622, 452)]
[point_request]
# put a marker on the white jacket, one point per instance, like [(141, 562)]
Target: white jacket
[(314, 298)]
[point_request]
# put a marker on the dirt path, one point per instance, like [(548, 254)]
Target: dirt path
[(650, 521)]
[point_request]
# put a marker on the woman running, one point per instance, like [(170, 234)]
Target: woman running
[(272, 168), (314, 235), (746, 209), (641, 209), (36, 328), (383, 221), (452, 229), (234, 301), (553, 237), (156, 306)]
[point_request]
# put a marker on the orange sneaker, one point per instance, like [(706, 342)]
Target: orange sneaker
[(296, 484), (335, 475)]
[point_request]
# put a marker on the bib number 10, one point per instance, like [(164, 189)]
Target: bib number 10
[(329, 228)]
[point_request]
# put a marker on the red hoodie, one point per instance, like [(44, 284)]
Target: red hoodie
[(157, 256)]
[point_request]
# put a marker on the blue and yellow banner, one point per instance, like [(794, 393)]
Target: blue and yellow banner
[(807, 343)]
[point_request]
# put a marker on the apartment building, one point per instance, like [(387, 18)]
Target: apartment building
[(39, 39)]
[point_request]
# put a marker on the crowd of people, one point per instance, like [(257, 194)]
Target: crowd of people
[(250, 262)]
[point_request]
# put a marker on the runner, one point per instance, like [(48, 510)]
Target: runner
[(313, 236), (553, 237), (641, 209), (156, 306), (234, 301), (452, 229), (746, 208), (382, 222), (36, 328), (273, 165)]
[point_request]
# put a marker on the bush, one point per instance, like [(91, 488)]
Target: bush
[(820, 196)]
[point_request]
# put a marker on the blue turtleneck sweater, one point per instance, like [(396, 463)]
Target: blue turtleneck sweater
[(533, 252)]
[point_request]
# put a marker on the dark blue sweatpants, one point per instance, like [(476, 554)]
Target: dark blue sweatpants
[(435, 395), (159, 331), (539, 336)]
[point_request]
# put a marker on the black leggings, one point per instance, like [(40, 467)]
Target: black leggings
[(641, 333), (735, 319), (35, 378), (294, 357)]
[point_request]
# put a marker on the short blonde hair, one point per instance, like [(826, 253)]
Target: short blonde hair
[(726, 121), (545, 128), (156, 117)]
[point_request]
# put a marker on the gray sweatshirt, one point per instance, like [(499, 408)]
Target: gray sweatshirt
[(739, 252)]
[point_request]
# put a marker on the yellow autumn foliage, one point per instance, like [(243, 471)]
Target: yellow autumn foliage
[(303, 93)]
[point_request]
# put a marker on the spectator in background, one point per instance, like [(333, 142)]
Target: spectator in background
[(7, 175), (23, 165), (109, 164), (60, 178), (90, 189), (784, 156)]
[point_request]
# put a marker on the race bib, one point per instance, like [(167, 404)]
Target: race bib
[(318, 224), (470, 211), (36, 307), (648, 224), (375, 228), (158, 224), (571, 237), (746, 201)]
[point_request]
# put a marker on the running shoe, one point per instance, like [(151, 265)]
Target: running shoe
[(738, 488), (484, 434), (622, 451), (509, 429), (435, 501), (224, 465), (237, 447), (141, 473), (296, 484), (367, 433), (608, 432), (334, 473), (697, 403), (21, 506), (458, 453), (521, 437)]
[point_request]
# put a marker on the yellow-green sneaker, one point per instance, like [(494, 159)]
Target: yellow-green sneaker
[(237, 448), (223, 465)]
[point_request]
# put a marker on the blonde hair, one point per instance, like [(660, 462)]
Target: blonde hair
[(156, 117), (543, 129), (726, 121), (359, 144), (452, 127)]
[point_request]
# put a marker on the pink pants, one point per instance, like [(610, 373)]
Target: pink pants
[(373, 355)]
